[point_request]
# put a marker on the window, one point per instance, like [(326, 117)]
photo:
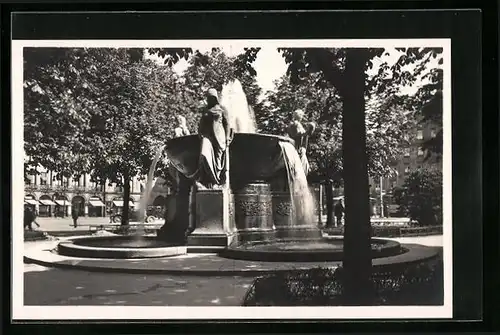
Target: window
[(433, 133), (407, 152), (420, 152), (420, 134)]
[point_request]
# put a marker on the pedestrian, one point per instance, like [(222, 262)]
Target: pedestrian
[(29, 219), (74, 215), (339, 212)]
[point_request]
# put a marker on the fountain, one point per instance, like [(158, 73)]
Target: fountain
[(262, 209), (266, 212)]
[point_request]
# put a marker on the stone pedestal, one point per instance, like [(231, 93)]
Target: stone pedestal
[(177, 214), (253, 212), (212, 227)]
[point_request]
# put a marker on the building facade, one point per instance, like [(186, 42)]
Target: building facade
[(413, 158), (49, 196)]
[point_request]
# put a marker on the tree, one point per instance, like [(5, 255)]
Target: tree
[(213, 70), (58, 107), (421, 196), (431, 110), (136, 120), (111, 107)]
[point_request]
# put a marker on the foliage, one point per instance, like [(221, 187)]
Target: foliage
[(56, 111), (394, 231), (420, 68), (418, 284), (112, 111), (321, 106), (421, 196), (386, 124), (213, 70)]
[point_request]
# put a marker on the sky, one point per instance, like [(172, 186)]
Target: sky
[(270, 65)]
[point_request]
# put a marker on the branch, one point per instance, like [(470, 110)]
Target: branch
[(324, 60)]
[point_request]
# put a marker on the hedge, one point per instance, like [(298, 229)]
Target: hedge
[(420, 284), (393, 231)]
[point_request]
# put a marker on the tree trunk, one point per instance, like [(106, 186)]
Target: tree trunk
[(329, 203), (126, 199), (357, 249)]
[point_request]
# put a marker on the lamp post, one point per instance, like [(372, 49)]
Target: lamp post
[(381, 196)]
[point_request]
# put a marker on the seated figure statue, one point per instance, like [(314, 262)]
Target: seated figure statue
[(215, 135), (300, 134)]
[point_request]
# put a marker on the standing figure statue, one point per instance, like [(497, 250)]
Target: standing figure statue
[(300, 135), (216, 135)]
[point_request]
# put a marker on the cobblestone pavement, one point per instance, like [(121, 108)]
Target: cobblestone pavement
[(47, 286)]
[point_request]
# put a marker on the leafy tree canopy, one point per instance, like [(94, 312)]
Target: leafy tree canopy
[(421, 196)]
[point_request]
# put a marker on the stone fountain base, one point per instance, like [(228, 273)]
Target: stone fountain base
[(214, 228), (251, 212)]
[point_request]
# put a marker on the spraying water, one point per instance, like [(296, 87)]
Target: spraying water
[(302, 200), (241, 116), (147, 191)]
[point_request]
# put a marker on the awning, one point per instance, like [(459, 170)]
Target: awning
[(63, 202), (119, 203), (30, 202), (96, 203), (47, 202)]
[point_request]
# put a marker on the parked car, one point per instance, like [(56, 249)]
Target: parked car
[(152, 214)]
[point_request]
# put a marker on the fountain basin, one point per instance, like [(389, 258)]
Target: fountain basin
[(119, 247), (310, 250), (252, 156)]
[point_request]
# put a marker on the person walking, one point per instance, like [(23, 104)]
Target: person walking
[(29, 219), (339, 212), (74, 215)]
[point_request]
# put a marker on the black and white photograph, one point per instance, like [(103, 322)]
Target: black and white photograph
[(178, 179)]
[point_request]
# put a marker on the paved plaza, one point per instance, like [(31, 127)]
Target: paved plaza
[(47, 286), (51, 286)]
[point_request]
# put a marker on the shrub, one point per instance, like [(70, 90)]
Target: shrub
[(421, 196), (420, 284), (394, 231)]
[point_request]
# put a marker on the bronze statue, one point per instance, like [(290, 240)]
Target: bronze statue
[(215, 135), (300, 135)]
